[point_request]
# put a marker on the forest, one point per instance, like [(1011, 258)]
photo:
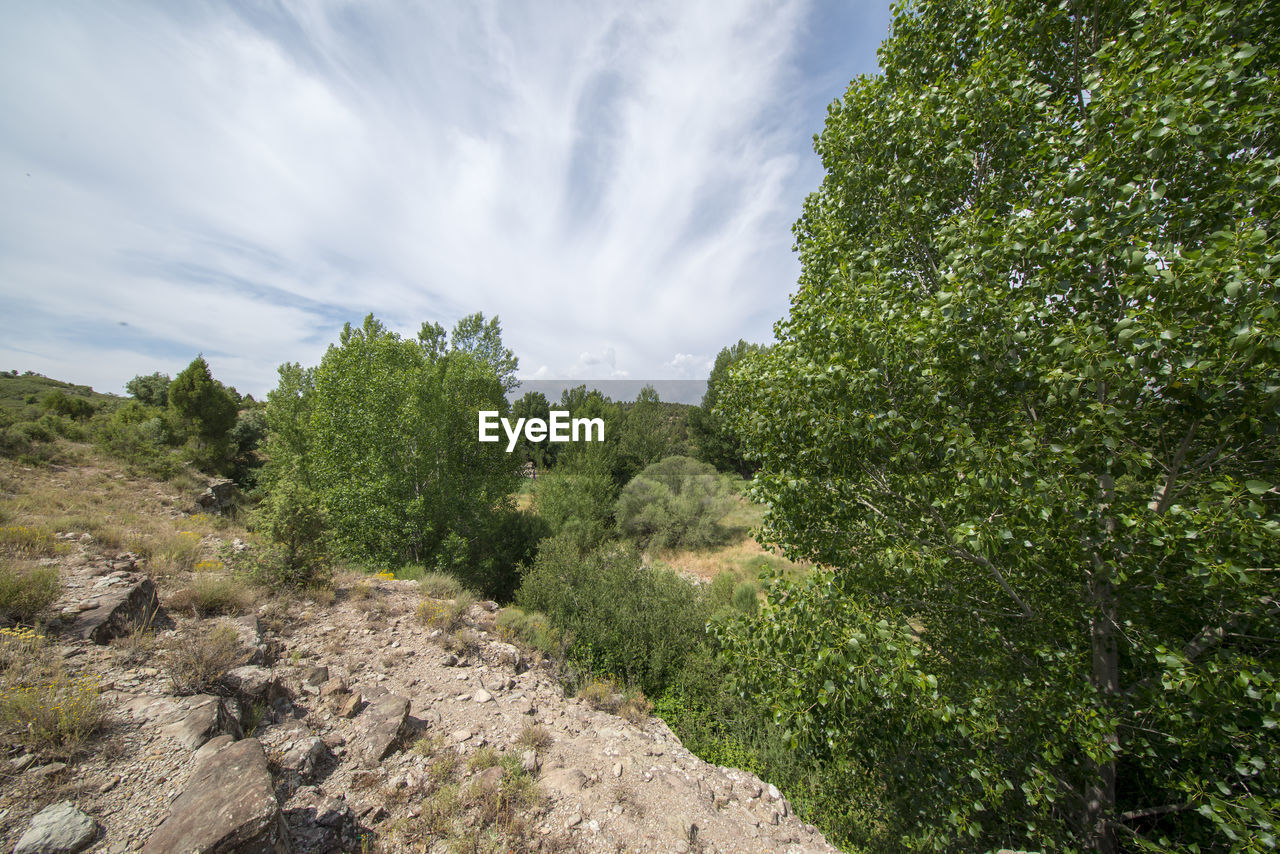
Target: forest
[(1015, 451)]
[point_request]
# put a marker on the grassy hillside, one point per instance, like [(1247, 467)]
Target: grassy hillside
[(17, 391)]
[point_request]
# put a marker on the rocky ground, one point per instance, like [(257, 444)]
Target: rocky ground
[(352, 725)]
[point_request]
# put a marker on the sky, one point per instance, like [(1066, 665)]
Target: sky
[(616, 181)]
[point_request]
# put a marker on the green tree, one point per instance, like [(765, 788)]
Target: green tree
[(676, 502), (534, 404), (152, 389), (1025, 406), (714, 441), (383, 433), (644, 434), (203, 401)]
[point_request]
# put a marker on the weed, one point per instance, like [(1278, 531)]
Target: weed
[(535, 737), (27, 541), (447, 615), (26, 590), (439, 585), (41, 706), (197, 660), (212, 593)]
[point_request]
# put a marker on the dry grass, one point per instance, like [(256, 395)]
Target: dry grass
[(535, 737), (42, 706), (196, 660), (211, 593), (448, 615), (119, 510), (26, 589), (607, 695), (745, 559)]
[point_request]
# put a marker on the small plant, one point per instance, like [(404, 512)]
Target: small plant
[(136, 644), (485, 757), (25, 541), (196, 661), (448, 615), (385, 575), (746, 597), (208, 566), (177, 553), (535, 737), (608, 695), (41, 706), (439, 585), (26, 590), (463, 642), (210, 594)]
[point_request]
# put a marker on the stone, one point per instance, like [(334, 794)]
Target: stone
[(386, 720), (228, 806), (253, 684), (482, 696), (349, 705), (304, 756), (317, 676), (119, 610), (333, 687), (57, 829), (205, 718), (218, 498), (529, 761)]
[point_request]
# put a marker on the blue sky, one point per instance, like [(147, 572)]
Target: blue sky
[(616, 181)]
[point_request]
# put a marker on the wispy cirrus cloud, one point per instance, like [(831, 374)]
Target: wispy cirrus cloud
[(616, 181)]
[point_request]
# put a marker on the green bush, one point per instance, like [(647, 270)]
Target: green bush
[(676, 502), (26, 591), (745, 597), (532, 629), (623, 619), (292, 517), (438, 585)]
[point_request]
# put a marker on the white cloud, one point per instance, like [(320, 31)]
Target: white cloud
[(617, 182)]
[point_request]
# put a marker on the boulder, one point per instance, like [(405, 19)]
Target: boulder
[(253, 684), (119, 610), (228, 806), (57, 829), (206, 717), (218, 498), (384, 722)]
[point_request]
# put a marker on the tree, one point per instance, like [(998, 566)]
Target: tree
[(1025, 407), (152, 389), (383, 433), (200, 399), (534, 404), (675, 503), (715, 442), (644, 436)]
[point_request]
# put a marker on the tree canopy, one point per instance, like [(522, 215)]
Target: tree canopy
[(1024, 407)]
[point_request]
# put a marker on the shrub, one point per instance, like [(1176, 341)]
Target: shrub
[(197, 660), (448, 615), (25, 541), (213, 593), (26, 591), (720, 591), (606, 694), (41, 706), (439, 585), (531, 629), (291, 516), (746, 598), (676, 502), (624, 619), (176, 553)]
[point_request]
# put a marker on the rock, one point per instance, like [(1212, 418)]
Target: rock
[(317, 676), (349, 705), (253, 684), (617, 769), (205, 718), (333, 687), (573, 821), (489, 778), (303, 756), (53, 769), (118, 610), (482, 696), (387, 720), (218, 498), (227, 806), (57, 829), (249, 631), (450, 660), (567, 780), (529, 761)]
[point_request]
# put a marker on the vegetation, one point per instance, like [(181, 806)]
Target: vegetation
[(715, 442), (1024, 407), (25, 591), (677, 501), (42, 707)]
